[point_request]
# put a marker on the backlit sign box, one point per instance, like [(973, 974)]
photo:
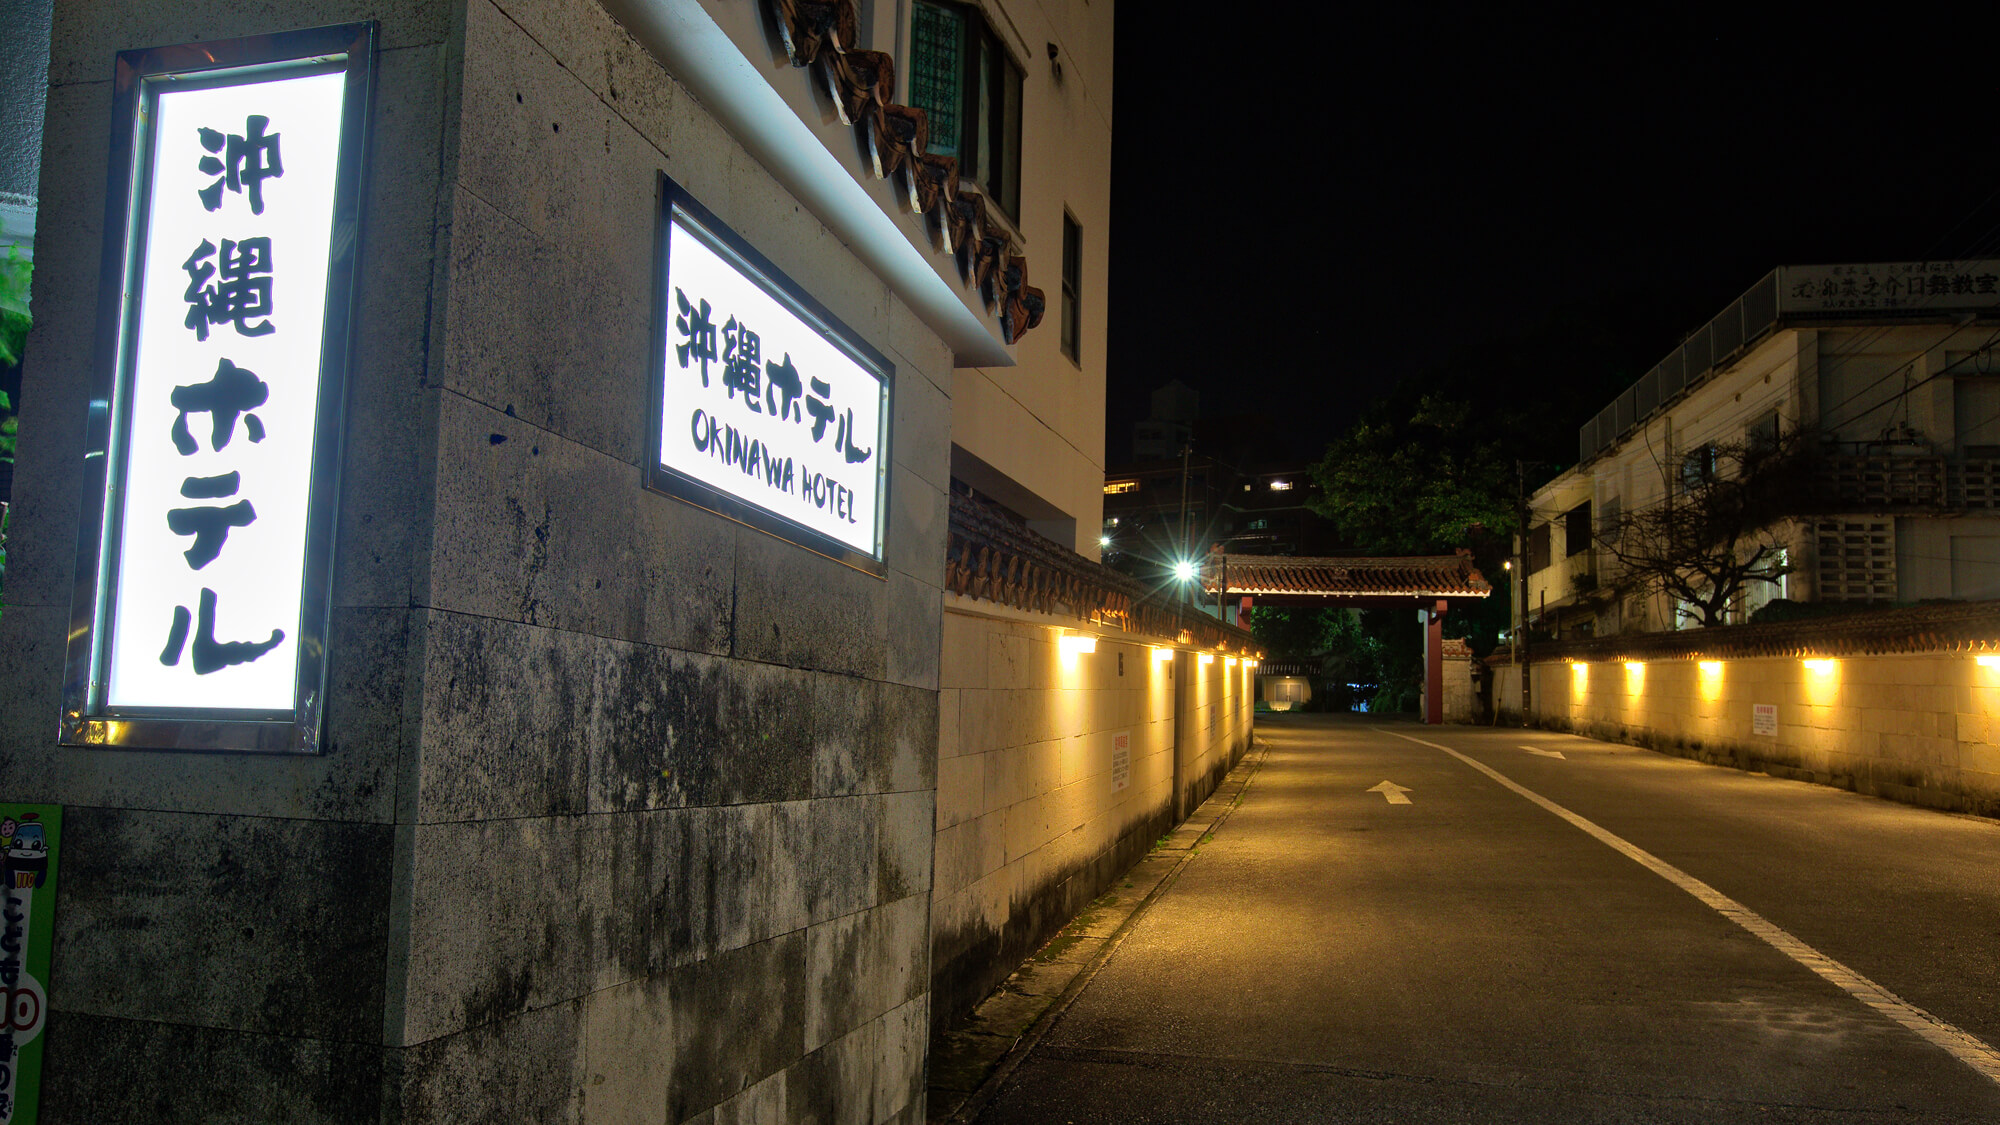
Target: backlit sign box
[(766, 408), (205, 552)]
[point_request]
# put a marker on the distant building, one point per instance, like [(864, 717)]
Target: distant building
[(1162, 433), (1251, 511), (1891, 365)]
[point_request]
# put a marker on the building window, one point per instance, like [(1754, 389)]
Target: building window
[(1281, 486), (968, 86), (1072, 289), (1538, 548), (1762, 435), (1120, 487), (1576, 530), (1698, 467)]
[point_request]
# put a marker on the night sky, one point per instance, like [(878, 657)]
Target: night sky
[(1312, 207)]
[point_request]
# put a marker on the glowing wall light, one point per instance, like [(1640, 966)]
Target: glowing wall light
[(1073, 645), (1162, 655), (1636, 667), (1207, 658), (1232, 662), (1988, 660), (1711, 679), (1818, 667)]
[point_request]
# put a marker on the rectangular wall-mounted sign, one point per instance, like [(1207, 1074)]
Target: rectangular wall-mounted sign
[(30, 841), (767, 409), (1764, 719), (1868, 287), (1121, 760), (205, 552)]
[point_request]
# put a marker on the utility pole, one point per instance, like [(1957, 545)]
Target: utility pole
[(1520, 598), (1187, 449)]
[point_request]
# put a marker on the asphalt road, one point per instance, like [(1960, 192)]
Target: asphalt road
[(1474, 956)]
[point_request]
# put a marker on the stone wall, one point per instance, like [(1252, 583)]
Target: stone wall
[(626, 810), (1918, 727), (1031, 824)]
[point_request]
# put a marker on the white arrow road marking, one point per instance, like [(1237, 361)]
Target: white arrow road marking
[(1392, 793), (1545, 753), (1963, 1046)]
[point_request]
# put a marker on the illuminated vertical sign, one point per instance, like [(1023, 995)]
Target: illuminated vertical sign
[(205, 552), (766, 408)]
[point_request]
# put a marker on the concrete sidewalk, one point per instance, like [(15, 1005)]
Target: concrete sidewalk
[(969, 1063)]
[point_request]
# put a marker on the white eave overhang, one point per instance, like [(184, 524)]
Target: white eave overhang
[(860, 210)]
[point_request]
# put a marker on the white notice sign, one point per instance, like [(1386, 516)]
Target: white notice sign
[(1764, 719), (1121, 760), (764, 399)]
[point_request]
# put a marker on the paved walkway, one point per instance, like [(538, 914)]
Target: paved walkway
[(1549, 930)]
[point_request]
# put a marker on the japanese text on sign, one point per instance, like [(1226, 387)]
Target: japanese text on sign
[(758, 403), (224, 394)]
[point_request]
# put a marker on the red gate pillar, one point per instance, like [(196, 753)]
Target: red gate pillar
[(1434, 664)]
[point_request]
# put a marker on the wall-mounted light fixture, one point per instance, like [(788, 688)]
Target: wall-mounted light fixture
[(1818, 667), (1207, 658), (1987, 660), (1635, 666), (1711, 667), (1231, 662), (1162, 655)]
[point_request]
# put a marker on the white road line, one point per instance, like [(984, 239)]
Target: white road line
[(1966, 1048), (1545, 753)]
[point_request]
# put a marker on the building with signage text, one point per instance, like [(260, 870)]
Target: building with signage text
[(553, 567)]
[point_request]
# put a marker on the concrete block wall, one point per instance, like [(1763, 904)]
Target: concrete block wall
[(627, 811), (1029, 825), (1917, 727)]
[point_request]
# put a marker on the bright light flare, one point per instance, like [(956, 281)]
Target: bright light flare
[(1711, 667), (1818, 667), (1207, 658), (1987, 660), (1185, 570)]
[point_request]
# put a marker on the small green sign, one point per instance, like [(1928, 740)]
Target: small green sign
[(30, 836)]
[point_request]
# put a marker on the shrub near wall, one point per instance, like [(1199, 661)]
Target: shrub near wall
[(1893, 703)]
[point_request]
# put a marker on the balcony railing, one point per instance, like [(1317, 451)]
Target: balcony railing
[(1932, 483)]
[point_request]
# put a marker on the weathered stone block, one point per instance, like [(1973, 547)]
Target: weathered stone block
[(627, 1031), (861, 966), (872, 737), (554, 328), (527, 1067), (917, 348), (533, 528), (136, 1072), (764, 1102), (802, 610), (738, 1018), (961, 789), (289, 916), (923, 430), (913, 610), (495, 928)]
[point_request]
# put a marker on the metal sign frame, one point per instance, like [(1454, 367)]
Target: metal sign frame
[(140, 77)]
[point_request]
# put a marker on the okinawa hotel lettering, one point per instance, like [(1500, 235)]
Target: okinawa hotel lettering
[(206, 565), (770, 411)]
